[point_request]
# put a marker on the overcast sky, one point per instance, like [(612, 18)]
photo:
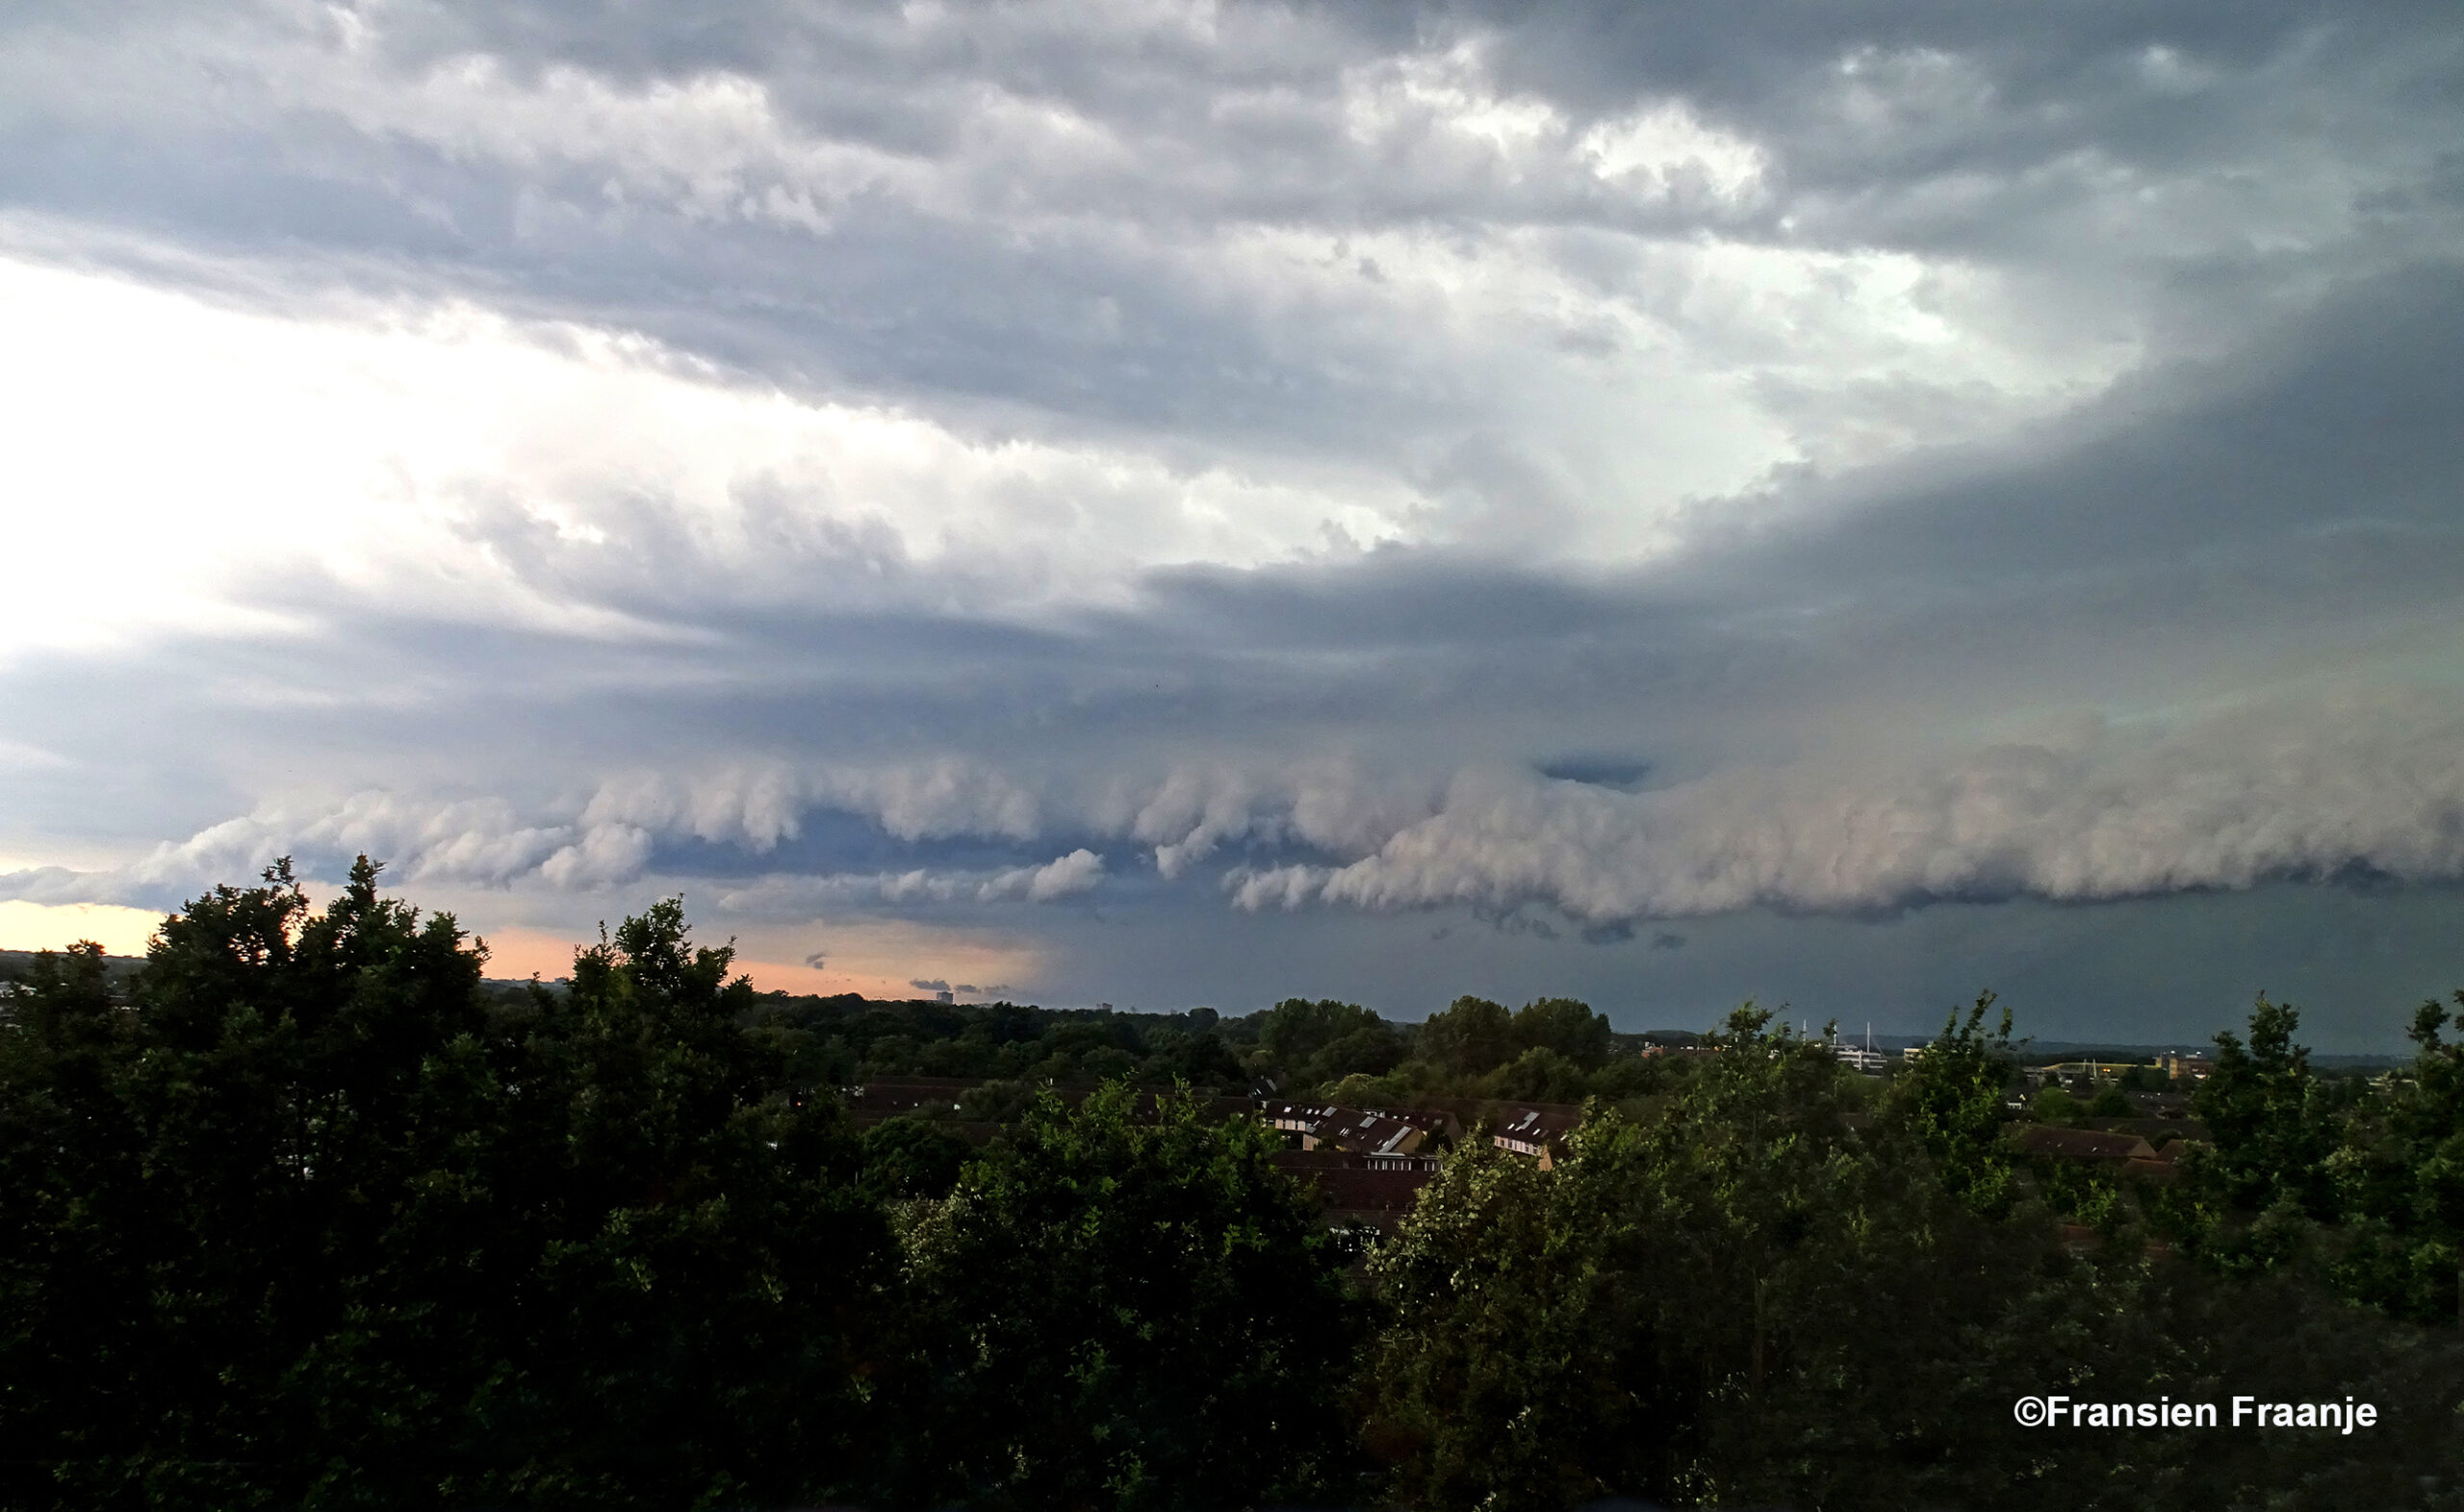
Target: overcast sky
[(1170, 503)]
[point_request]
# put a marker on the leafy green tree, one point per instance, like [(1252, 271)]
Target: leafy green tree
[(1726, 1305), (2110, 1103), (1750, 1300), (77, 1360), (2398, 1175), (2054, 1104), (1951, 1101), (1566, 1028), (906, 1158), (219, 1169), (2271, 1122), (314, 1221), (1198, 1056), (1538, 1075), (706, 1277), (1636, 1076), (1471, 1037), (2429, 1121), (2145, 1079), (1297, 1031), (1130, 1309), (1364, 1052)]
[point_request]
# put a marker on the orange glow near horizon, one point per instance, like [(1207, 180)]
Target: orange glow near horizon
[(516, 952), (56, 926), (882, 957), (878, 958)]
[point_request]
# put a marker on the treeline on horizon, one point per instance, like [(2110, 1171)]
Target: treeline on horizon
[(1551, 1050), (304, 1214)]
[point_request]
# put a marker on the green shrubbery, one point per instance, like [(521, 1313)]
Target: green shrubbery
[(1767, 1295)]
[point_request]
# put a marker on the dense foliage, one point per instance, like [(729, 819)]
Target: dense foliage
[(1553, 1050), (311, 1221), (314, 1220), (2358, 1186), (304, 1213), (827, 1040), (1132, 1312), (1768, 1295)]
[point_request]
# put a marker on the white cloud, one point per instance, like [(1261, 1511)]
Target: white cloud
[(2227, 801), (605, 856), (933, 798), (1065, 877), (479, 841), (756, 806), (1401, 103), (789, 894), (2302, 785), (1665, 151), (447, 461), (713, 146)]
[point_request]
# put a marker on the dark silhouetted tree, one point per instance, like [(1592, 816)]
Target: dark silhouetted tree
[(1133, 1309)]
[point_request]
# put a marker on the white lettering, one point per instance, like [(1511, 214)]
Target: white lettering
[(2344, 1416)]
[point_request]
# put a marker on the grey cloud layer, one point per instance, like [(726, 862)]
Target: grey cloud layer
[(1348, 733), (1137, 220), (2228, 801), (1903, 452)]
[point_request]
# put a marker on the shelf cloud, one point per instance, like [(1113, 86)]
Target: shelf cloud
[(1182, 495)]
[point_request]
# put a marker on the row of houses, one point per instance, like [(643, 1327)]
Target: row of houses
[(2131, 1152), (1387, 1140), (1360, 1192), (1538, 1130), (1369, 1164)]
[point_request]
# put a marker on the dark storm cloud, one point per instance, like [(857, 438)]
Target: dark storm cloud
[(1066, 297), (2211, 515), (1997, 133), (2313, 476), (2343, 421), (956, 261), (1870, 467)]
